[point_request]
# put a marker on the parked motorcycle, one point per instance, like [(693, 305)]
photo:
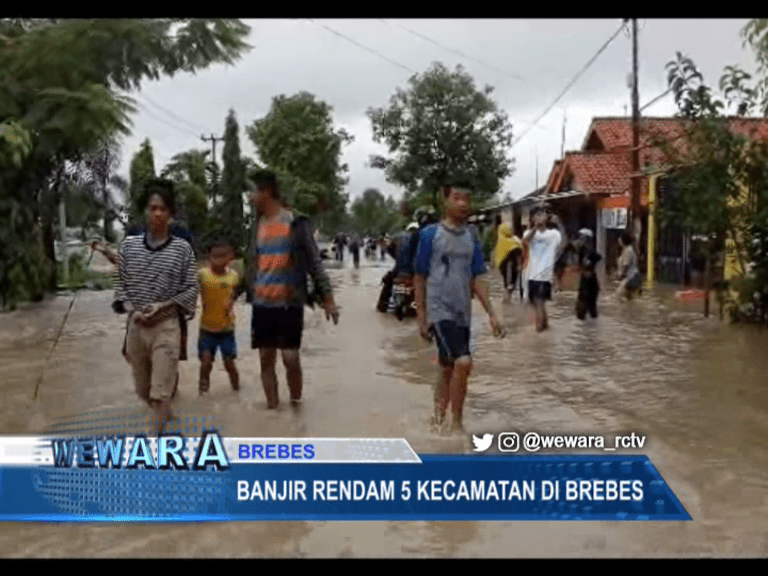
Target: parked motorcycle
[(404, 298)]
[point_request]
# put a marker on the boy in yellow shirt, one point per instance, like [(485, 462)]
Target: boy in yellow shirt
[(220, 286)]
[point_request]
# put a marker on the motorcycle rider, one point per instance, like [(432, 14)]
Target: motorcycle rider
[(424, 217)]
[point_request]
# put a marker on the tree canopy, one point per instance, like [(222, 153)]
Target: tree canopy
[(62, 85), (297, 140), (442, 129)]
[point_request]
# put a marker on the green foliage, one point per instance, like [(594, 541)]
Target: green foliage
[(187, 170), (297, 140), (142, 169), (82, 277), (372, 213), (755, 35), (442, 129), (15, 145), (233, 185), (714, 166), (23, 267), (59, 99)]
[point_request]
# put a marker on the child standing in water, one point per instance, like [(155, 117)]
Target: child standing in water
[(219, 288), (589, 287), (629, 273)]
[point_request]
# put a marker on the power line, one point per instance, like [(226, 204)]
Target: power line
[(659, 97), (456, 51), (572, 82), (152, 115), (172, 115), (361, 46)]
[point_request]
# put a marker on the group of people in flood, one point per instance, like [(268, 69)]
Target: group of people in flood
[(159, 283), (536, 263), (354, 243)]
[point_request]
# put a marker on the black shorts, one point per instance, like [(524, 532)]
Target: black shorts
[(539, 290), (452, 341), (277, 327)]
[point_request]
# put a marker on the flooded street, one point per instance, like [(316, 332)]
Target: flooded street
[(695, 387)]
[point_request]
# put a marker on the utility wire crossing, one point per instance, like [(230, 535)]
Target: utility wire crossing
[(571, 83), (332, 31), (457, 52)]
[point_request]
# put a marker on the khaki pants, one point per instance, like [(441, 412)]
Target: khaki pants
[(153, 353)]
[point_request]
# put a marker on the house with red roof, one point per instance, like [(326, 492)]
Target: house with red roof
[(591, 188)]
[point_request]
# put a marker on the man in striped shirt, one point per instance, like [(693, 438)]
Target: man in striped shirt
[(114, 259), (158, 281), (282, 255)]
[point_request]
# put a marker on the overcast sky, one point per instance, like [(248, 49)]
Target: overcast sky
[(528, 62)]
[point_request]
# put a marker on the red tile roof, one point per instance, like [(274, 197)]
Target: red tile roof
[(607, 134), (594, 173), (604, 164)]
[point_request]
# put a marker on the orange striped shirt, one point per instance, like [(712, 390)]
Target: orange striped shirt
[(273, 286)]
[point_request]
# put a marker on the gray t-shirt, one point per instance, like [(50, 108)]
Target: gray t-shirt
[(450, 260)]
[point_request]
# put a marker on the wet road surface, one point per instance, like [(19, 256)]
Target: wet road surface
[(695, 387)]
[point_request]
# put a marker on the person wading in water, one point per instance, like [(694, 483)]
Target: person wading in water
[(158, 281)]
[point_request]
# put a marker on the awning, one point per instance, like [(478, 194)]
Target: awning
[(557, 196), (615, 202)]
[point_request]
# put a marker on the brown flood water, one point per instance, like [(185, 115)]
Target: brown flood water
[(695, 387)]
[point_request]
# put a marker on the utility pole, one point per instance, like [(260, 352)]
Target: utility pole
[(562, 143), (63, 225), (634, 222), (212, 139)]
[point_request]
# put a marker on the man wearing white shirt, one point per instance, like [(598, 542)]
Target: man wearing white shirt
[(544, 246)]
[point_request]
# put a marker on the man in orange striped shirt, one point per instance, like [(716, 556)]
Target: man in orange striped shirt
[(283, 255)]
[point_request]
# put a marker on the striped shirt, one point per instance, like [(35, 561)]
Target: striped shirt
[(157, 275), (273, 286)]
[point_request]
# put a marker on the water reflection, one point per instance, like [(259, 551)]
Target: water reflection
[(694, 386)]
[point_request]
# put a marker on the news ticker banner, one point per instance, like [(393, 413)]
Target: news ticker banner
[(209, 478)]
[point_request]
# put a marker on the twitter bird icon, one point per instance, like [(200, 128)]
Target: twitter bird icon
[(482, 444)]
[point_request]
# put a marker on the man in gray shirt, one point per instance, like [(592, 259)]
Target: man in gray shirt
[(449, 260)]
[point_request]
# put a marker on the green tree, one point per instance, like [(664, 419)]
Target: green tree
[(103, 189), (142, 169), (373, 213), (297, 140), (59, 93), (443, 129), (187, 170), (233, 185), (720, 174)]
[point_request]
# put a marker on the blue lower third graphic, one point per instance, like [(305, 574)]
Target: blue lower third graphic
[(470, 488)]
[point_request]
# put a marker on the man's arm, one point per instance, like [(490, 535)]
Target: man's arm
[(527, 237), (561, 229), (480, 289), (317, 270), (113, 257), (314, 262), (121, 295)]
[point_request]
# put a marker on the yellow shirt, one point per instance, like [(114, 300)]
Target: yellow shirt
[(215, 293)]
